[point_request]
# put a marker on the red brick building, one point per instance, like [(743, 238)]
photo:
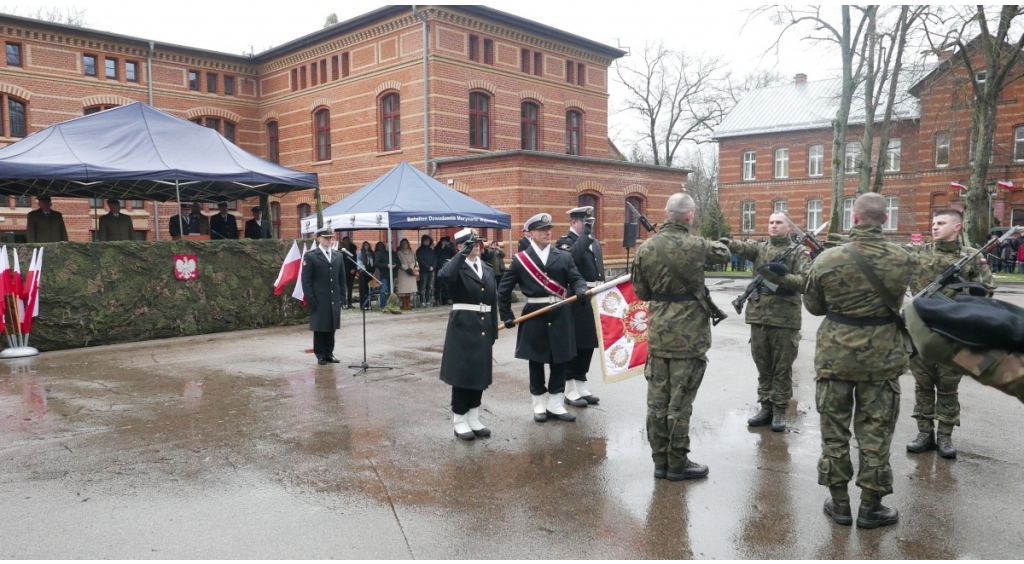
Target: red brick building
[(516, 112), (775, 152)]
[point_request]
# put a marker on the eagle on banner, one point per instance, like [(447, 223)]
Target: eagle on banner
[(622, 323)]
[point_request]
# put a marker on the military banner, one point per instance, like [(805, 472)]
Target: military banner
[(622, 321)]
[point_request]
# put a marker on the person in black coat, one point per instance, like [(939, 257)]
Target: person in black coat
[(351, 269), (586, 254), (427, 261), (223, 225), (365, 260), (545, 275), (257, 228), (472, 330), (385, 270), (323, 283), (443, 252)]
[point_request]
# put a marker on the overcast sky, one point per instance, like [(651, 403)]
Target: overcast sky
[(231, 26)]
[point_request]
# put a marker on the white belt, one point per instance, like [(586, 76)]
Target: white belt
[(482, 308), (546, 300), (592, 284)]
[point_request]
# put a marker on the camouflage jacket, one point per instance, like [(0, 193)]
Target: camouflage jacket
[(776, 311), (934, 257), (835, 283), (672, 262)]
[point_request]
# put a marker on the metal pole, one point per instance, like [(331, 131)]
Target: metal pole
[(391, 261), (177, 193), (156, 219), (426, 93)]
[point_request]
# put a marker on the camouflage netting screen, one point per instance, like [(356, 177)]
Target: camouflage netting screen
[(118, 292)]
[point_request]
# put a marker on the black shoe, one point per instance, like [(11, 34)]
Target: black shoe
[(839, 511), (661, 470), (762, 418), (485, 432), (691, 471), (925, 441), (540, 417), (321, 361), (576, 402), (778, 421), (567, 417), (465, 436), (944, 443), (873, 514), (592, 400), (333, 359)]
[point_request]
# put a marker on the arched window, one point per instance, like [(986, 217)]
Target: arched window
[(390, 115), (97, 109), (304, 211), (275, 219), (13, 122), (222, 126), (572, 132), (592, 200), (479, 120), (638, 203), (273, 143), (528, 126), (322, 121)]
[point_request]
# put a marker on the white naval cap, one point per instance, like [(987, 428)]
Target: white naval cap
[(539, 221), (465, 235), (582, 212)]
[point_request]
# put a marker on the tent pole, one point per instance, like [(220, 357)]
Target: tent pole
[(319, 208), (391, 260), (156, 219), (181, 226)]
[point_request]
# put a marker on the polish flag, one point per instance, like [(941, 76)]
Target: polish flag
[(957, 186), (622, 331), (35, 270), (5, 286), (297, 293), (289, 269), (17, 286), (1005, 184)]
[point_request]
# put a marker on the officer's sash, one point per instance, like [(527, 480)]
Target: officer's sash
[(549, 285)]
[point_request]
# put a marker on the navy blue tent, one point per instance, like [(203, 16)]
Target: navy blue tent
[(405, 198), (137, 152)]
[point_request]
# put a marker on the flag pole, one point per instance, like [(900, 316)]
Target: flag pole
[(569, 300), (181, 227)]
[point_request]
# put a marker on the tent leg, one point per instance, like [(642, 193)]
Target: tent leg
[(391, 260), (319, 208), (177, 194), (156, 219)]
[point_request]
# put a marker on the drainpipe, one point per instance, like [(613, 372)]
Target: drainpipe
[(426, 93), (149, 88)]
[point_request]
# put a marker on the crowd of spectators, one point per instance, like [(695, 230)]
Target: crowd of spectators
[(1008, 258)]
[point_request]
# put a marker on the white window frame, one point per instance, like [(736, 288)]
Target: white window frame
[(816, 160), (848, 213), (852, 159), (892, 211), (749, 165), (814, 208), (893, 155), (941, 143), (781, 163), (1018, 144), (749, 216), (780, 206)]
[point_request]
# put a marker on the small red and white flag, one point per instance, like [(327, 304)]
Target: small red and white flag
[(297, 293), (35, 270), (18, 287), (289, 269), (957, 186), (622, 322), (1005, 184), (5, 286)]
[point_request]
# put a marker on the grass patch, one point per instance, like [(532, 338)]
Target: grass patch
[(1010, 278), (728, 274)]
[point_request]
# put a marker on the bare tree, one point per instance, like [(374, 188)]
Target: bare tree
[(970, 31), (678, 96), (69, 15), (702, 186), (332, 19)]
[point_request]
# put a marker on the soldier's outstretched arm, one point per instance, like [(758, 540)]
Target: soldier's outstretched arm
[(716, 253), (744, 249)]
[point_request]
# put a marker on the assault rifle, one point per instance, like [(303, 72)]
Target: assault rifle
[(758, 284), (953, 271), (717, 315)]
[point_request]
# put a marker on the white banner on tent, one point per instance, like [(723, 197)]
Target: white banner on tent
[(372, 220)]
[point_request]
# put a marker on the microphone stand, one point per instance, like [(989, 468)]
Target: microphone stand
[(365, 366)]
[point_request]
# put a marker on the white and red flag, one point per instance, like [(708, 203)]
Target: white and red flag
[(5, 286), (622, 322), (297, 293), (18, 286), (289, 269), (957, 186), (35, 270), (1005, 184)]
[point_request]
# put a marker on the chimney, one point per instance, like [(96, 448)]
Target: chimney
[(800, 78), (945, 55)]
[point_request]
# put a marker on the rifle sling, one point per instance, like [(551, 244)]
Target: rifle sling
[(869, 273)]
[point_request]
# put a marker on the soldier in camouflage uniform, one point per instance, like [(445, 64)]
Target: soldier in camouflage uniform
[(668, 271), (774, 319), (859, 358), (935, 392)]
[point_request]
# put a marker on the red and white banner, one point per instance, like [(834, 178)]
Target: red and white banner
[(5, 286), (1005, 184), (18, 286), (289, 269), (297, 293), (35, 270), (186, 267), (957, 186), (622, 322)]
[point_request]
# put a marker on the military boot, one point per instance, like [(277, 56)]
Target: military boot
[(572, 397), (778, 421), (945, 446), (540, 412), (925, 441), (691, 471), (762, 418), (839, 511), (873, 514), (660, 466)]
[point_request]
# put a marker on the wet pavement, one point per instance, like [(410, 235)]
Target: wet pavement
[(239, 446)]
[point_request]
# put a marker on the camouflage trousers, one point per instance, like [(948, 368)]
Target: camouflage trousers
[(935, 396), (774, 349), (1000, 369), (873, 407), (671, 388)]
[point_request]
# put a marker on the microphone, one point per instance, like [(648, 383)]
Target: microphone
[(346, 251)]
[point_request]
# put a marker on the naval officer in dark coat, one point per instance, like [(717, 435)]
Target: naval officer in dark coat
[(586, 254), (472, 330), (323, 284), (545, 275)]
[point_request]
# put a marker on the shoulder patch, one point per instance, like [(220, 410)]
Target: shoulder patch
[(565, 247)]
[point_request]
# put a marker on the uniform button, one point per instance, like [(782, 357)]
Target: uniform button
[(481, 318), (549, 325), (481, 289), (483, 333)]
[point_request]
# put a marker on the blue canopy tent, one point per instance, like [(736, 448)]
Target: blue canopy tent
[(406, 198), (138, 152)]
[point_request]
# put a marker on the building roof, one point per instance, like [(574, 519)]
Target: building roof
[(809, 105)]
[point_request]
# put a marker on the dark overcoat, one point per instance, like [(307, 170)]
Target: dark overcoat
[(223, 228), (591, 266), (42, 228), (549, 338), (254, 231), (323, 284), (470, 337), (118, 228)]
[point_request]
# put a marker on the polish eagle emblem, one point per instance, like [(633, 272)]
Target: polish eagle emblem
[(185, 267)]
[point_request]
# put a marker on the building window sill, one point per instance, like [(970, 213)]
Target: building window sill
[(319, 163), (386, 153), (476, 150)]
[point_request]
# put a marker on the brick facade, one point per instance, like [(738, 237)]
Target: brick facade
[(920, 186), (348, 69)]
